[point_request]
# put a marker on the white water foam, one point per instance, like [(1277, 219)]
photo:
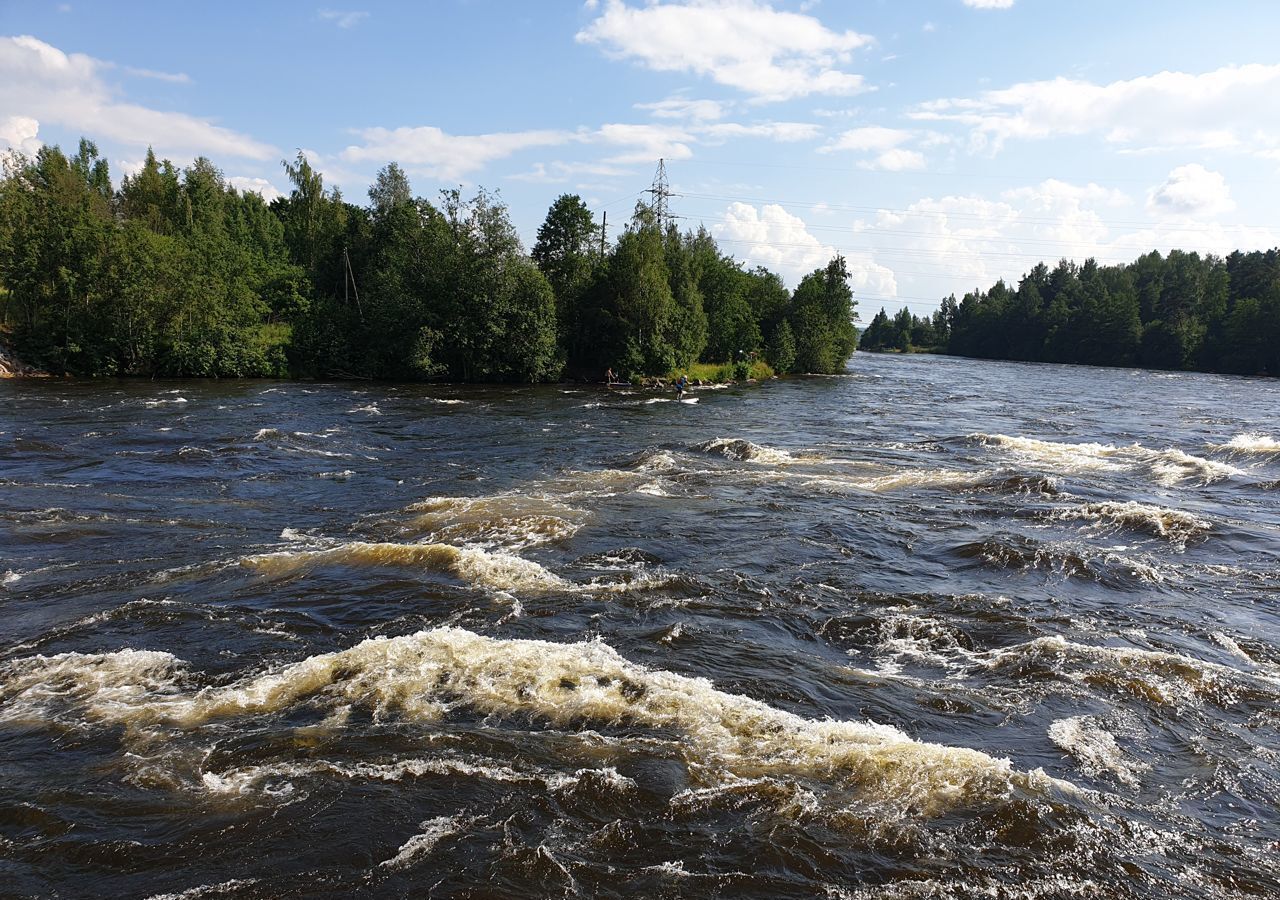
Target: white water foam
[(513, 520), (1095, 749), (746, 451), (434, 831), (1172, 524), (1169, 467), (421, 676), (1252, 444), (489, 568), (208, 890)]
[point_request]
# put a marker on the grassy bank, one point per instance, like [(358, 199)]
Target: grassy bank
[(721, 372)]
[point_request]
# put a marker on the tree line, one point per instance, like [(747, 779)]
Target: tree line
[(176, 273), (1180, 311)]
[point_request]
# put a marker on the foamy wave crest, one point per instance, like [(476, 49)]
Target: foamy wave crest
[(434, 831), (491, 569), (424, 675), (511, 520), (1173, 524), (1168, 467), (745, 451), (1154, 676), (1251, 444), (1095, 748)]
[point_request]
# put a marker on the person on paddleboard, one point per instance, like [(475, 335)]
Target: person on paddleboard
[(682, 385), (609, 377)]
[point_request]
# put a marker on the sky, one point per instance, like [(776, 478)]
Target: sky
[(937, 144)]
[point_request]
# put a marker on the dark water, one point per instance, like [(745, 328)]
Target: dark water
[(937, 628)]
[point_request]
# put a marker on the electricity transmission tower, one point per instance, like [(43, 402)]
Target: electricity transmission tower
[(661, 192)]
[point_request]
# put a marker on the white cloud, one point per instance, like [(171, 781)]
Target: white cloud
[(449, 157), (784, 132), (1221, 109), (885, 145), (989, 4), (743, 44), (896, 160), (869, 138), (173, 77), (682, 108), (343, 18), (1191, 190), (245, 184), (20, 133), (559, 172), (38, 81), (645, 143), (772, 237)]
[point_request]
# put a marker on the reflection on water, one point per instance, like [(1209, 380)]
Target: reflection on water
[(937, 628)]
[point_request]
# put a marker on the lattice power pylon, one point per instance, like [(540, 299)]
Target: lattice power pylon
[(661, 192)]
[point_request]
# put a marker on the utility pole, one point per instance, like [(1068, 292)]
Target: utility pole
[(661, 192), (604, 224)]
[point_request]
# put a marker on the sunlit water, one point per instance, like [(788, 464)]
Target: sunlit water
[(935, 628)]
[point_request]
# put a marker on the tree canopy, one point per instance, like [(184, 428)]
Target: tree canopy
[(177, 273)]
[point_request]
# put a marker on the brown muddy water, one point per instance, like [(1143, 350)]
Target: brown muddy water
[(936, 628)]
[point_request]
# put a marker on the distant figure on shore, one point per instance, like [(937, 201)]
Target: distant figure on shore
[(682, 385), (609, 377)]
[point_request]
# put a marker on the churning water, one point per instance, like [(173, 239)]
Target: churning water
[(936, 628)]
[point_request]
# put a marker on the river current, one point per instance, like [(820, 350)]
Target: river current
[(934, 628)]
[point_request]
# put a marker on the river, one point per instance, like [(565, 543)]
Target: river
[(933, 628)]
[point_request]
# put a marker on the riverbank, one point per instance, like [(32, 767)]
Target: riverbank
[(12, 367)]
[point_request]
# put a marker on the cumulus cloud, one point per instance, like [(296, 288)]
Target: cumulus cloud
[(1191, 190), (884, 145), (869, 138), (1221, 109), (39, 82), (437, 153), (20, 133), (772, 237), (246, 184), (744, 44)]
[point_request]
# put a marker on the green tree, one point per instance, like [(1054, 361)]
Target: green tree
[(822, 319)]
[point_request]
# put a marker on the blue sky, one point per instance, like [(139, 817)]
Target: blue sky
[(938, 144)]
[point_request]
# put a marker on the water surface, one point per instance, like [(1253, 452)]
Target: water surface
[(934, 628)]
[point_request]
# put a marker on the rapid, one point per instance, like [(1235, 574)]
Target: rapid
[(934, 628)]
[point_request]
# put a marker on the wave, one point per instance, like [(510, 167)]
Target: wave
[(509, 520), (434, 831), (1095, 749), (491, 569), (1019, 553), (1174, 525), (1154, 676), (1251, 444), (745, 451), (1169, 467), (423, 676)]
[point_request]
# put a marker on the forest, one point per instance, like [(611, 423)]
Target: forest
[(175, 273), (1179, 311)]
